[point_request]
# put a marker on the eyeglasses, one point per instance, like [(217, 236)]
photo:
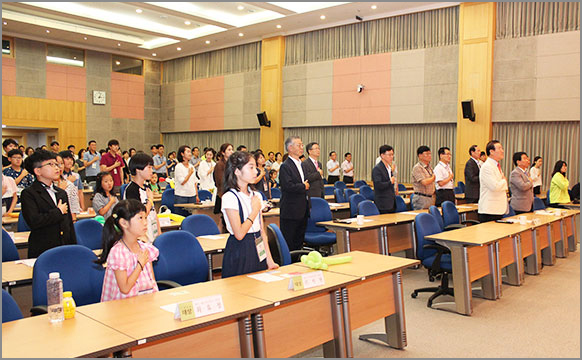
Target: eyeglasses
[(53, 164)]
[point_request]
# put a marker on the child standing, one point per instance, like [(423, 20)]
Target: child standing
[(103, 199), (129, 269), (247, 248), (154, 183)]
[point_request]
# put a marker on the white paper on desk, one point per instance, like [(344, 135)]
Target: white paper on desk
[(464, 207), (27, 262), (543, 212), (353, 220), (408, 213), (165, 221), (265, 277), (334, 204), (212, 237), (12, 236)]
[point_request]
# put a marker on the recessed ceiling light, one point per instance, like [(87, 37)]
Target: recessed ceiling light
[(118, 62), (85, 38), (118, 44), (322, 17), (207, 41), (154, 54), (241, 34), (74, 58), (187, 22), (240, 7), (278, 26), (5, 23), (374, 7), (48, 31), (179, 48), (139, 11)]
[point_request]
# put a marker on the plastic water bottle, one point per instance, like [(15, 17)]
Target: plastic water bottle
[(54, 294)]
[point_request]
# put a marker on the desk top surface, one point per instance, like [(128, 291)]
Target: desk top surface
[(371, 222), (213, 243)]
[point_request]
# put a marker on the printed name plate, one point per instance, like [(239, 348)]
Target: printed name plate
[(306, 281)]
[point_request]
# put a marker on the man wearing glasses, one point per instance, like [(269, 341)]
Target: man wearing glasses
[(45, 207)]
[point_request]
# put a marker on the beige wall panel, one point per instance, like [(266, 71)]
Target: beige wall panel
[(182, 88), (233, 94), (413, 95), (407, 77), (295, 72), (318, 118), (318, 102), (294, 118), (319, 70), (524, 89), (322, 85), (294, 103), (559, 43), (407, 59), (406, 114), (558, 65), (294, 87), (515, 69), (233, 108), (234, 81), (513, 110), (558, 109), (558, 87)]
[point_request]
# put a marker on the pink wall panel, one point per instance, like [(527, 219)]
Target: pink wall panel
[(8, 76), (66, 83), (207, 104), (127, 96), (372, 105)]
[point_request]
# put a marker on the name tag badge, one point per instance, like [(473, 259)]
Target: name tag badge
[(196, 308), (94, 165), (265, 186), (115, 171), (261, 252)]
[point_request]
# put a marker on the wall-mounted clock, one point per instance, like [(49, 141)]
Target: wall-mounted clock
[(99, 97)]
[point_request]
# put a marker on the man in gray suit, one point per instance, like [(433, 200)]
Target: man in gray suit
[(472, 168), (520, 184), (313, 171)]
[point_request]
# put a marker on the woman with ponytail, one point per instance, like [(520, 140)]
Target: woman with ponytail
[(129, 270)]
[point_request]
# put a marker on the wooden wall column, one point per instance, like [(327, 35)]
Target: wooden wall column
[(272, 61)]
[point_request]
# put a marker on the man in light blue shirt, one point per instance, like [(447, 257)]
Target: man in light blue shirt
[(91, 159), (160, 162)]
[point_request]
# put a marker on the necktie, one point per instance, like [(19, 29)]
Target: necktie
[(499, 167), (316, 165)]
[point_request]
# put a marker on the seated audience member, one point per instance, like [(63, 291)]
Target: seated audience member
[(103, 199), (71, 148), (28, 151), (55, 147), (576, 191), (45, 207), (21, 177), (241, 148)]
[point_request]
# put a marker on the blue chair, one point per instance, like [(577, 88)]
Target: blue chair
[(204, 195), (275, 193), (317, 236), (9, 251), (324, 181), (436, 258), (10, 310), (348, 193), (22, 225), (538, 204), (339, 196), (457, 190), (78, 270), (354, 201), (122, 190), (400, 204), (328, 190), (200, 224), (461, 185), (434, 211), (168, 199), (451, 218), (263, 196), (340, 185), (89, 233), (359, 183), (411, 195), (401, 187), (367, 192), (279, 248), (547, 199), (510, 213), (181, 261), (368, 208)]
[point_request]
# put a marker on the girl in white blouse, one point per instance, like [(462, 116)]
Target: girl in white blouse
[(205, 171), (536, 174)]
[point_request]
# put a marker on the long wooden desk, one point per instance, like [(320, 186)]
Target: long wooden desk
[(35, 337), (212, 245), (84, 215)]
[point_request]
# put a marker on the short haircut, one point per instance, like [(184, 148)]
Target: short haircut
[(195, 147), (139, 162), (308, 147), (442, 150), (271, 172), (385, 148), (472, 149), (240, 147), (346, 154), (491, 146), (91, 141), (331, 153), (54, 142), (70, 146), (181, 149), (517, 156), (161, 146), (36, 159), (154, 146), (482, 153), (421, 149), (289, 141), (112, 142), (13, 152), (7, 142), (270, 152), (67, 154), (131, 149)]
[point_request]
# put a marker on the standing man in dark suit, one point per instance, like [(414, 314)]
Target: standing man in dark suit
[(383, 179), (472, 168), (45, 207), (294, 199), (313, 171)]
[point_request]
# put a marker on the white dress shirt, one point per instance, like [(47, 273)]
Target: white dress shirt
[(443, 171), (298, 165)]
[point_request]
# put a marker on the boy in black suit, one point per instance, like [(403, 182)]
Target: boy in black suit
[(384, 196), (45, 207)]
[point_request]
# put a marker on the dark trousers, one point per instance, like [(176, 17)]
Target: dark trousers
[(488, 217), (517, 212), (471, 200), (385, 211), (537, 190), (331, 179), (293, 231), (444, 195), (349, 179)]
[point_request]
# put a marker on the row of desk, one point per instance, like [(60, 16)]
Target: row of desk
[(260, 319)]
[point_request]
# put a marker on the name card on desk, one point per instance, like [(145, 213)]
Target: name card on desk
[(200, 307), (165, 221), (306, 281)]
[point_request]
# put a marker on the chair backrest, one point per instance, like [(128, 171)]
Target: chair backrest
[(328, 190), (547, 199), (168, 199), (339, 195), (10, 310), (339, 185), (9, 251), (122, 190), (457, 190), (200, 224), (355, 199), (22, 225), (348, 192), (400, 204), (181, 258), (434, 211), (461, 185), (450, 213), (89, 233), (324, 181), (282, 247), (367, 208), (401, 187), (510, 213), (538, 204), (204, 195), (275, 193), (367, 192), (425, 225), (320, 211), (77, 268), (359, 183)]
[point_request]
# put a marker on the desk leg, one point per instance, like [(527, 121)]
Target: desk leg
[(245, 332), (548, 254), (561, 249), (491, 284), (383, 240), (123, 354), (515, 274), (210, 277), (461, 283), (533, 265), (259, 336), (342, 240), (337, 347), (572, 238), (347, 326)]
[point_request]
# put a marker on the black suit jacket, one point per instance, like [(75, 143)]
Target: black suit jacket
[(315, 179), (294, 200), (49, 228), (384, 196), (471, 179)]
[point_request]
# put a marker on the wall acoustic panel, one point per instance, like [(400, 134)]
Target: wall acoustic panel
[(65, 82), (127, 96), (407, 87), (207, 104), (8, 76)]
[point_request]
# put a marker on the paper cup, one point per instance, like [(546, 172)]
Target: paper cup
[(360, 220)]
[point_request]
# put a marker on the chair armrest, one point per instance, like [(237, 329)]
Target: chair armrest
[(167, 284), (296, 255), (439, 248), (39, 310), (474, 222), (454, 226), (436, 264)]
